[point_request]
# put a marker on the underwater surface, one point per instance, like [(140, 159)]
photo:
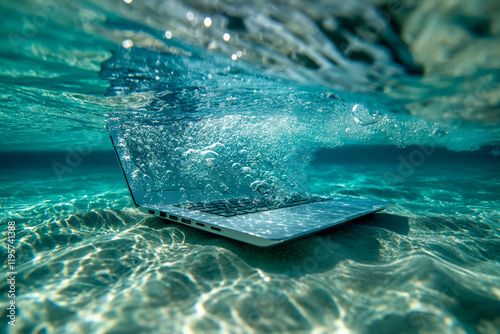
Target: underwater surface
[(390, 100)]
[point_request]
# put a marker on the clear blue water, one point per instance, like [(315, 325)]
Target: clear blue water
[(383, 102)]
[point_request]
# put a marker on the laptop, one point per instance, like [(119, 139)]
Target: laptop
[(252, 213)]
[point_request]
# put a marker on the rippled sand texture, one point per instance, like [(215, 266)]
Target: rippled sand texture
[(429, 264)]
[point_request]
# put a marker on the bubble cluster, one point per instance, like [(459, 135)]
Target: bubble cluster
[(216, 155), (215, 125)]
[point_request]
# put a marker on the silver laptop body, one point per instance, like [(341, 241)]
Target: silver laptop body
[(262, 228)]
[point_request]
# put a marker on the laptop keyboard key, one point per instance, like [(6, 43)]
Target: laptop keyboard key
[(242, 206)]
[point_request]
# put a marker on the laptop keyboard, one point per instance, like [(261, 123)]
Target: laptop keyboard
[(243, 206)]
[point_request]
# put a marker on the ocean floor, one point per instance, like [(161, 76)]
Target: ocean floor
[(87, 261)]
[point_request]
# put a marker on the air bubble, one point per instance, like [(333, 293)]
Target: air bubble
[(191, 152), (215, 147), (260, 186), (246, 170), (209, 155), (438, 132), (136, 174), (147, 183)]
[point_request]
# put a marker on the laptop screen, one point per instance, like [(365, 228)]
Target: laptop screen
[(201, 122), (211, 156)]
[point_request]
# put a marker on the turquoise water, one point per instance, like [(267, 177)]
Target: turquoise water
[(376, 101)]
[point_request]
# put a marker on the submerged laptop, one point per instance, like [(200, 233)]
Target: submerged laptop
[(254, 215)]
